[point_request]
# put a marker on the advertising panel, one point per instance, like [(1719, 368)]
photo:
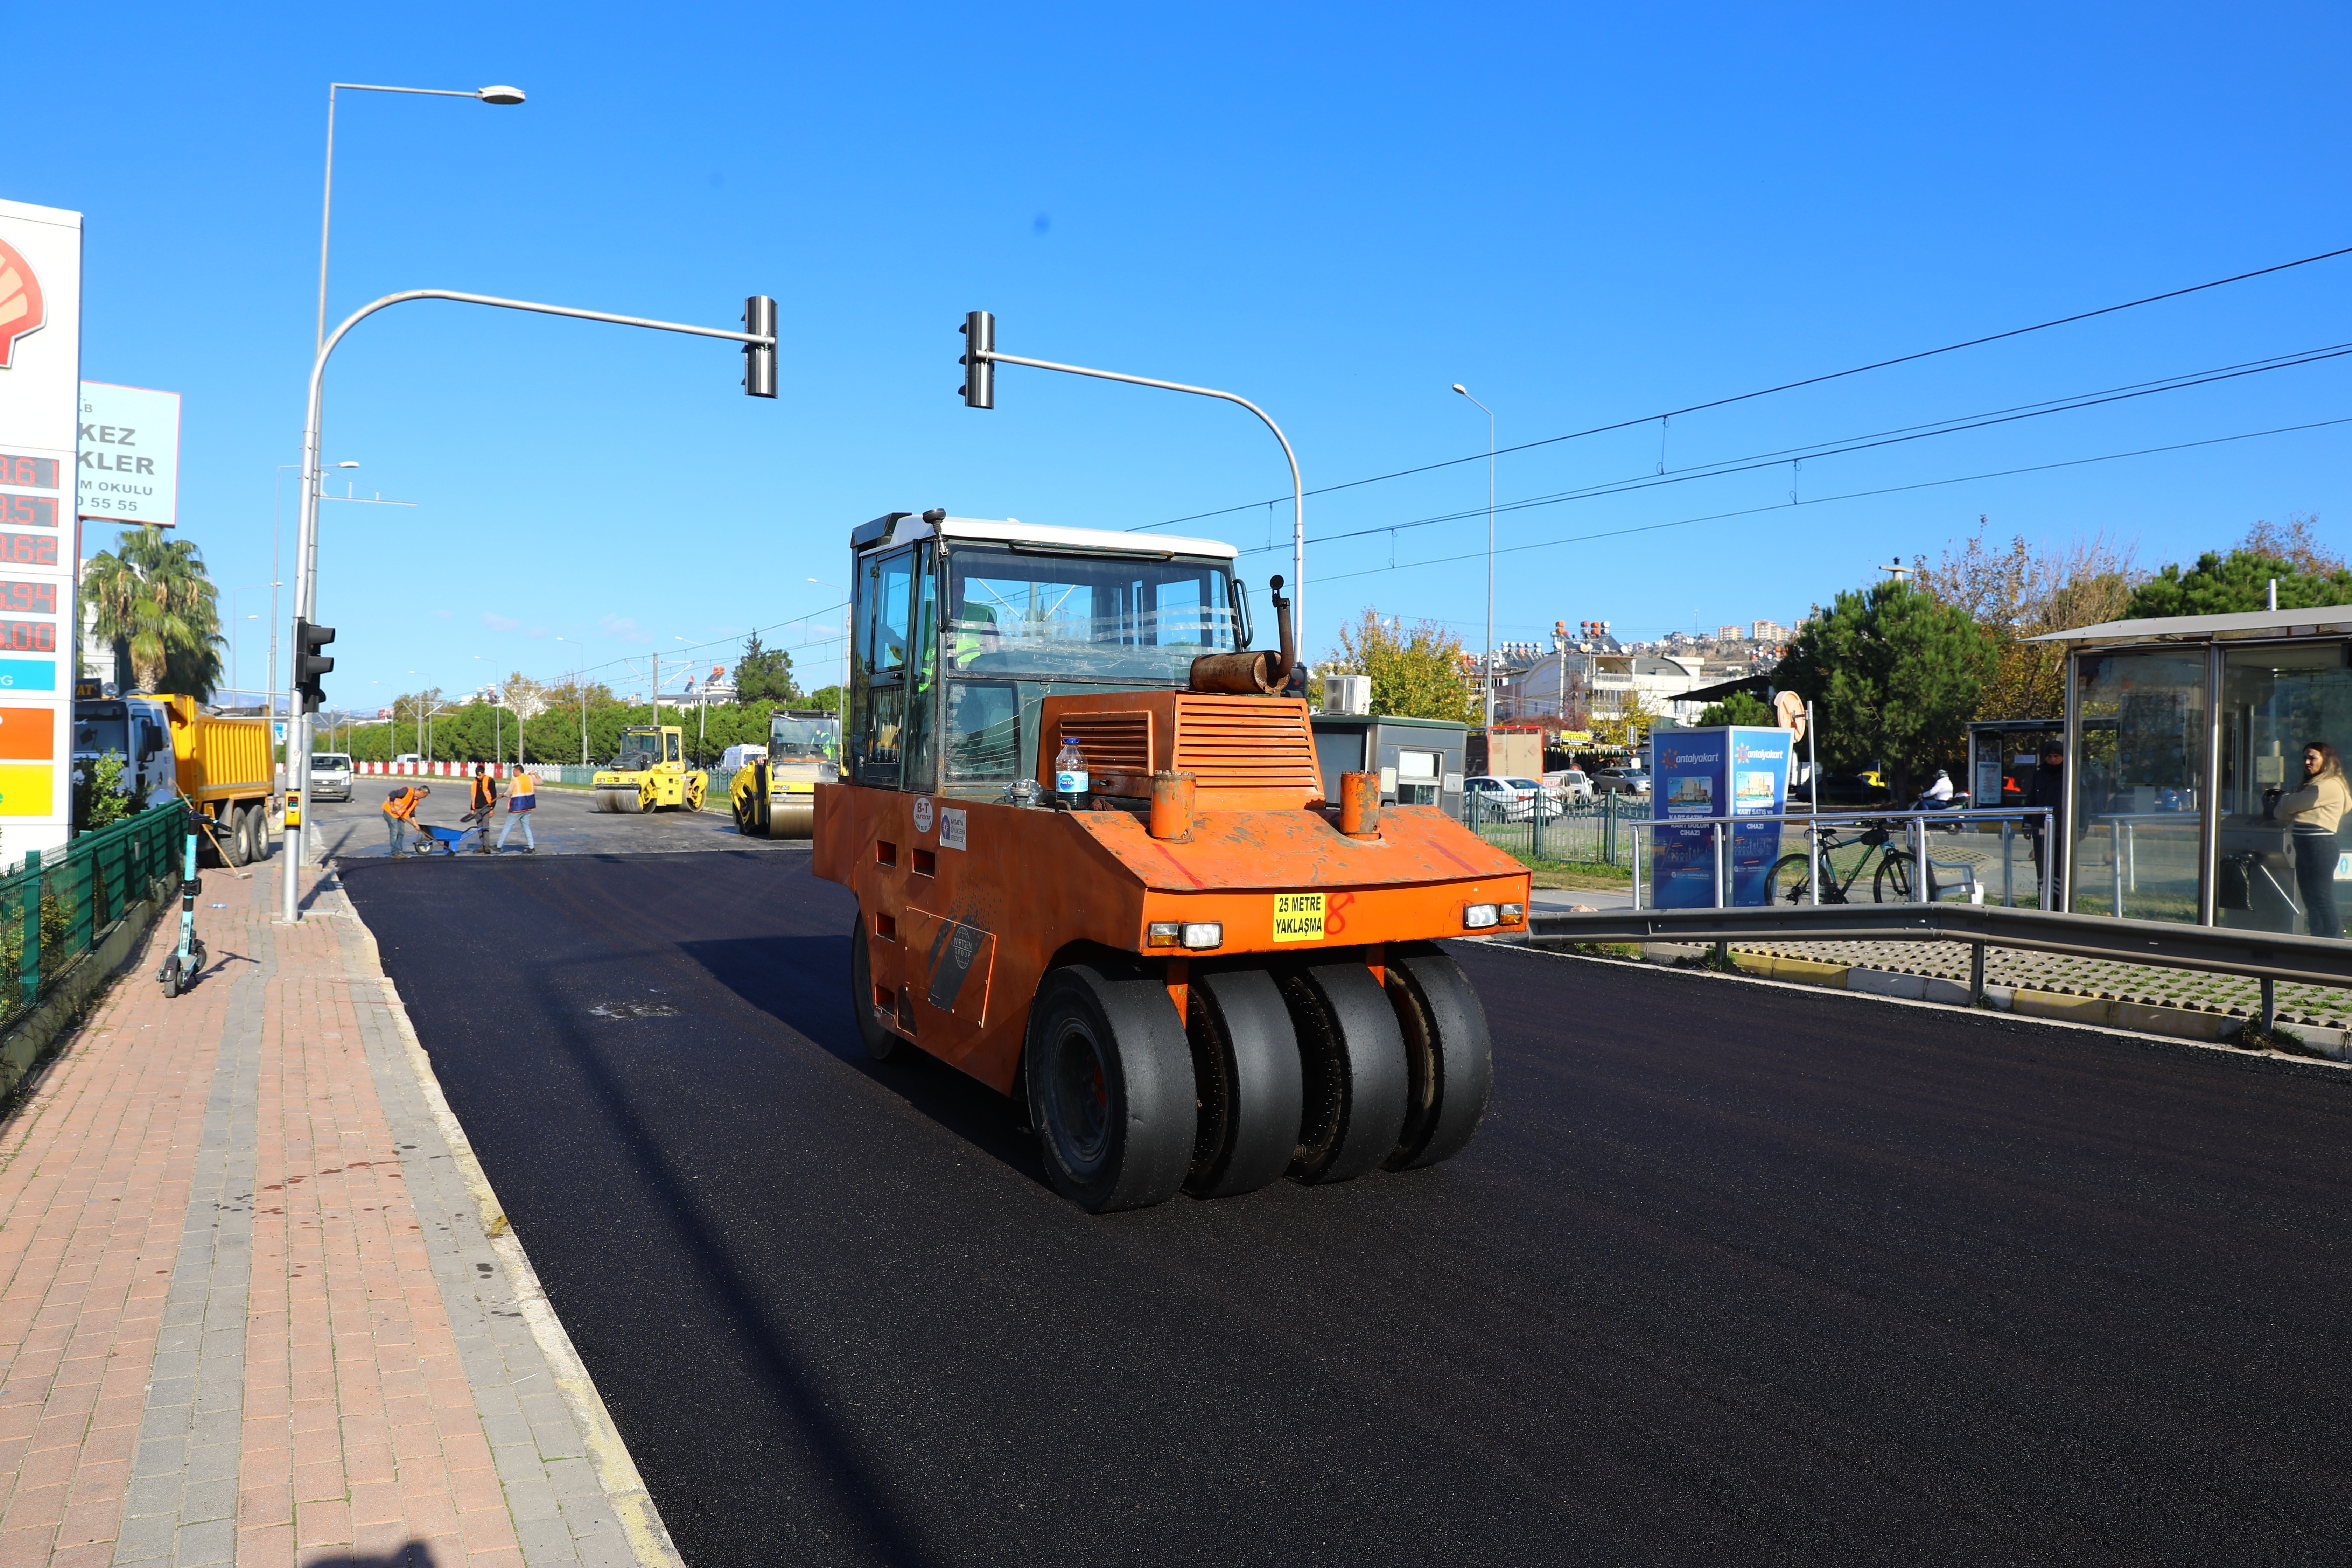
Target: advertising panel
[(40, 381), (1735, 771), (129, 454)]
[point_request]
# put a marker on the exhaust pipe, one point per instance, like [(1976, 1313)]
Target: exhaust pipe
[(1258, 673)]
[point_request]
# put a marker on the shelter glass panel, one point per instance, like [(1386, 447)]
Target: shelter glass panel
[(2134, 831), (2273, 872)]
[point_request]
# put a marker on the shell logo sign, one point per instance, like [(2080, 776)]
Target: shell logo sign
[(21, 311)]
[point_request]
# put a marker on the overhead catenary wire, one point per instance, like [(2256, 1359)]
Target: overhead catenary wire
[(1849, 495), (1784, 386), (1843, 446)]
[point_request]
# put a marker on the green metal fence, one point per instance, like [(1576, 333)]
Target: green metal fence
[(56, 906), (1598, 832)]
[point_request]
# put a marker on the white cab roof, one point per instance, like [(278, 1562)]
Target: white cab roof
[(1011, 531)]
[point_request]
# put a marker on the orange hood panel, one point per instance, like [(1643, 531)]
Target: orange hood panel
[(1277, 850)]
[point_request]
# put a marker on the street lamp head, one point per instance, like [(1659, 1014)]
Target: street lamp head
[(346, 465), (499, 94), (1461, 389)]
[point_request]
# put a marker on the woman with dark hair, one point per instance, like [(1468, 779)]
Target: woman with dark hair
[(2312, 812)]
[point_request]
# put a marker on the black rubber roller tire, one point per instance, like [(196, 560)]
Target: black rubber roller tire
[(1449, 1058), (1351, 1054), (1246, 1071), (1110, 1087), (881, 1043)]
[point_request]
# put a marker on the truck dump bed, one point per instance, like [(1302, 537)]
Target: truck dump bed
[(220, 759)]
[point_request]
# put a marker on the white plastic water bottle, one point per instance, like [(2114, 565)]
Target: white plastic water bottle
[(1070, 783)]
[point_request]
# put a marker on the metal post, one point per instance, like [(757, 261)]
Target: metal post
[(1976, 975), (1716, 832), (2266, 1024), (1813, 854), (2008, 868), (2116, 865), (1298, 491), (28, 967), (1920, 893), (306, 552)]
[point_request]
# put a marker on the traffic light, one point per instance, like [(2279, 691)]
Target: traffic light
[(760, 359), (309, 664), (979, 386)]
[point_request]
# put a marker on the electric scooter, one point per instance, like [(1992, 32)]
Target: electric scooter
[(186, 962)]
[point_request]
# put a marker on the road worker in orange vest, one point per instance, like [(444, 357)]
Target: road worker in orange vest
[(485, 801), (522, 799), (400, 813)]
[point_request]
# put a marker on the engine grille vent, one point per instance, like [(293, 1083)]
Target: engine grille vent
[(1254, 744)]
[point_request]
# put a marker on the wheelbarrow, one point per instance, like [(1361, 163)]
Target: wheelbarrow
[(447, 839)]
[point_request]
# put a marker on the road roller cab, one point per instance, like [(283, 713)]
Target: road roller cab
[(774, 796), (650, 774), (1096, 869)]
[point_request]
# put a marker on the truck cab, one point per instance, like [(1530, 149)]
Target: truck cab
[(1195, 971), (136, 729)]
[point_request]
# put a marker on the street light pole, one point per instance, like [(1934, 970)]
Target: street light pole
[(1490, 551), (306, 550)]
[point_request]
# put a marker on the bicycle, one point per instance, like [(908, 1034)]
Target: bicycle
[(1791, 878)]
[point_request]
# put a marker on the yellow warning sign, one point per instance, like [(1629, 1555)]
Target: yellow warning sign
[(1298, 917)]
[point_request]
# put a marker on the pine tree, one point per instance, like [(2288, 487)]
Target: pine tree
[(1894, 675)]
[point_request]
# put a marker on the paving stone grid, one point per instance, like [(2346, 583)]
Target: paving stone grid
[(248, 1310), (2320, 1006)]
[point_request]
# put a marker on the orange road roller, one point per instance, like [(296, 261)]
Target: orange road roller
[(1096, 869)]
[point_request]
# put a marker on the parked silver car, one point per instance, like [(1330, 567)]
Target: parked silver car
[(1623, 781)]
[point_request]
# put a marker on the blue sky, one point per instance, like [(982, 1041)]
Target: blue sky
[(1588, 214)]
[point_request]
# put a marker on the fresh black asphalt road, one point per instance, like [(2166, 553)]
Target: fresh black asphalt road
[(1734, 1274)]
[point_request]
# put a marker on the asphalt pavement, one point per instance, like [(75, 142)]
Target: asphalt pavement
[(563, 824), (1734, 1274)]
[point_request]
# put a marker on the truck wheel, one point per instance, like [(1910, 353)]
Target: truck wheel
[(881, 1043), (1110, 1087), (1246, 1076), (1449, 1057), (257, 831), (230, 831), (1351, 1052)]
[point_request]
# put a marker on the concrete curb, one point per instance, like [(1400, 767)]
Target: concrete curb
[(30, 1039), (2108, 1014), (616, 1473)]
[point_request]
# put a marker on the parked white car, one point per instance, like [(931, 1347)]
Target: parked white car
[(1511, 799), (741, 757), (406, 757)]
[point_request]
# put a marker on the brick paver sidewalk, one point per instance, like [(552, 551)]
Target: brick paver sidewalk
[(248, 1309)]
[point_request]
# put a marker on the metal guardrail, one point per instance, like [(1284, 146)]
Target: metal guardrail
[(1915, 841)]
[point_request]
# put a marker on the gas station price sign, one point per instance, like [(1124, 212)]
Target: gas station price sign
[(35, 473), (27, 598), (29, 548), (28, 636), (28, 512)]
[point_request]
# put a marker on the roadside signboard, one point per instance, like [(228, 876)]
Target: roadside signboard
[(1735, 771), (40, 378), (129, 454)]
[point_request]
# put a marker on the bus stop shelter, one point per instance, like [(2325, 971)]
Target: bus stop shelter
[(2174, 728)]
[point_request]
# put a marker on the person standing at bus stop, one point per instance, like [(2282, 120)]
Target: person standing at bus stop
[(522, 799), (485, 801), (2312, 812), (400, 813)]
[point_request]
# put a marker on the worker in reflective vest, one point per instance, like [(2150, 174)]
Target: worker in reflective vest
[(521, 801), (400, 811), (485, 801)]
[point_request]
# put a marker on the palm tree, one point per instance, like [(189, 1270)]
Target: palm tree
[(158, 608)]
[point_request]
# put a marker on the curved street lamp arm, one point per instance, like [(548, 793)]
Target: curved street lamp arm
[(1297, 493), (306, 550)]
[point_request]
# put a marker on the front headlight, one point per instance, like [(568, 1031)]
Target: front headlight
[(1478, 917)]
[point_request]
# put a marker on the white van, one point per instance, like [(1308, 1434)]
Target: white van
[(330, 776), (741, 757)]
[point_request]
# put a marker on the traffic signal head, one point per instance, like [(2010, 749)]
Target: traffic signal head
[(760, 359), (309, 664), (979, 371)]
